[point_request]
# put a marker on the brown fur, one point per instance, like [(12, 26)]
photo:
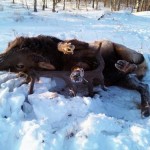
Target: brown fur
[(42, 52)]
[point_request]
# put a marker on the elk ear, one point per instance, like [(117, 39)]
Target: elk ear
[(46, 65)]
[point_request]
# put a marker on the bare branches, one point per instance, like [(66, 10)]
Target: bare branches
[(114, 5)]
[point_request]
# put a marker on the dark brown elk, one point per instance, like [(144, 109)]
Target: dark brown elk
[(123, 66)]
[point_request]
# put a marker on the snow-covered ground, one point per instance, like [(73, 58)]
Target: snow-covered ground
[(109, 121)]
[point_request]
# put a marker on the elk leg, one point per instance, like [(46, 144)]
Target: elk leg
[(72, 87), (89, 85), (29, 77), (31, 85), (98, 78), (101, 79), (32, 76), (132, 82)]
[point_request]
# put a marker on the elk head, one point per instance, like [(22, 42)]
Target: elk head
[(23, 61)]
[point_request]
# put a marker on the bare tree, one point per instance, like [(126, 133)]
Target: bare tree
[(43, 5), (26, 4), (35, 5), (85, 1), (142, 5), (77, 4), (93, 4), (137, 6), (127, 3), (64, 6), (105, 3), (147, 5), (54, 4), (97, 4), (112, 5), (118, 4), (115, 5)]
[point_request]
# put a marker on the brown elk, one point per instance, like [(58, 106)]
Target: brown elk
[(120, 65)]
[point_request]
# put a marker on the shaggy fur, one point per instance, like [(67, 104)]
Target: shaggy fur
[(115, 62)]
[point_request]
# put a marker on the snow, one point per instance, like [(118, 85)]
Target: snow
[(110, 120)]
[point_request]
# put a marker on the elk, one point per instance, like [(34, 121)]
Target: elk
[(105, 62)]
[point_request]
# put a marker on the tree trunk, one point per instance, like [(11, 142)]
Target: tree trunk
[(22, 3), (64, 5), (118, 7), (127, 3), (112, 5), (137, 7), (142, 5), (13, 1), (35, 5), (148, 8), (43, 5), (54, 4), (26, 4), (96, 4), (78, 3), (145, 4), (85, 4), (105, 3), (93, 3)]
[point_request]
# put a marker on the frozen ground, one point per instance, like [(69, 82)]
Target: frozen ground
[(109, 121)]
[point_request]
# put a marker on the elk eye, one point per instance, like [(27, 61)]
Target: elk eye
[(19, 66)]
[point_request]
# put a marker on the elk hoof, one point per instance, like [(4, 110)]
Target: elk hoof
[(92, 95), (72, 93), (124, 66), (104, 88), (145, 111), (29, 93), (22, 74)]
